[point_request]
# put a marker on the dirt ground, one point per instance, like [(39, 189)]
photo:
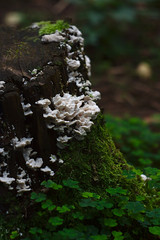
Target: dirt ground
[(123, 94)]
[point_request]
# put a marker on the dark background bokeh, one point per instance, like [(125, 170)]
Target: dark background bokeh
[(122, 38)]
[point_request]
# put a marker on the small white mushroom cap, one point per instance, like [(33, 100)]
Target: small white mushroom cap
[(73, 64), (30, 162), (21, 186), (43, 102), (88, 65), (61, 161), (26, 109), (53, 158), (1, 150), (2, 83), (95, 95), (54, 37), (144, 177), (21, 143), (68, 48), (76, 39), (34, 163), (48, 170), (74, 30), (5, 179)]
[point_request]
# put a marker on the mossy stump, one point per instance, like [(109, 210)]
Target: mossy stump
[(31, 70)]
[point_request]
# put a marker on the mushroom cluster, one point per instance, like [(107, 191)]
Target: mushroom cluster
[(72, 116)]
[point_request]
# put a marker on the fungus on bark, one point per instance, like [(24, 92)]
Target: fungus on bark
[(46, 100)]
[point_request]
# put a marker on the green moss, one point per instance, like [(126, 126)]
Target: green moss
[(19, 49), (32, 39), (96, 163), (43, 23), (48, 27)]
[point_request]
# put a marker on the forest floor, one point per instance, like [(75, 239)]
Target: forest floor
[(123, 94)]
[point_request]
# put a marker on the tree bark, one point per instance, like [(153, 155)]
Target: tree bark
[(31, 70)]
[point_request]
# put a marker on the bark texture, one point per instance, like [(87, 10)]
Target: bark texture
[(30, 70)]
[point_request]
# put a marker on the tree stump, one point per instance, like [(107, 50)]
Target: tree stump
[(45, 100)]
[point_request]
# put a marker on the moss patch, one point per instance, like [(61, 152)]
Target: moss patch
[(96, 163), (18, 49), (49, 28)]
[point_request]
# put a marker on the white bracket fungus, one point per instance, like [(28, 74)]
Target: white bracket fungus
[(88, 65), (53, 158), (21, 143), (23, 184), (72, 116), (48, 170), (2, 83), (73, 64), (1, 150), (54, 37), (26, 109), (30, 162), (5, 179)]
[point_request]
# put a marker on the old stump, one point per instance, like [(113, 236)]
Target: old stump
[(45, 100)]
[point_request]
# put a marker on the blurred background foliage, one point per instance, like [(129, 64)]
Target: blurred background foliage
[(120, 31), (115, 31), (122, 38), (138, 141)]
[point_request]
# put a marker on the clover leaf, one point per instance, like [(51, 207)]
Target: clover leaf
[(110, 222), (71, 184), (117, 235), (51, 184), (135, 207), (99, 237), (55, 221), (38, 197), (48, 204), (78, 215), (14, 234), (90, 195), (118, 212), (70, 233), (35, 230), (115, 191), (63, 209), (155, 230)]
